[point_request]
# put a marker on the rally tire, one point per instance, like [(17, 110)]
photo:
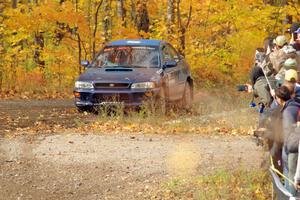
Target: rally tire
[(187, 99)]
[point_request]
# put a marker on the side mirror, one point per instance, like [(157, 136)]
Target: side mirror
[(84, 63), (170, 63)]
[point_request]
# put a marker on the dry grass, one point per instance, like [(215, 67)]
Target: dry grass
[(224, 185), (213, 113)]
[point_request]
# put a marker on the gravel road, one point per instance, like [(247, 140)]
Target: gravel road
[(75, 166)]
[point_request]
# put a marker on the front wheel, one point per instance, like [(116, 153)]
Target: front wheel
[(187, 99), (82, 109), (159, 103)]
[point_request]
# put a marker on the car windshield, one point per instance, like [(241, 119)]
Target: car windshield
[(127, 56)]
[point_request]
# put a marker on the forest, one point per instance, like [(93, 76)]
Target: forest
[(43, 41)]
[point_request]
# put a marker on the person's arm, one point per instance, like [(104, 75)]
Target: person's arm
[(261, 88), (293, 141), (272, 58), (289, 121), (292, 41), (297, 175), (252, 76)]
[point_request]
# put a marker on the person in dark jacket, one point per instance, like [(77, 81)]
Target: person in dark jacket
[(297, 175), (295, 37), (291, 78), (290, 109), (290, 81), (261, 74), (260, 85)]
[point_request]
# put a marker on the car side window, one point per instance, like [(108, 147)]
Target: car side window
[(169, 53), (166, 56), (173, 53)]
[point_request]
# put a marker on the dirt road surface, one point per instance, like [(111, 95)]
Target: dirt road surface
[(100, 166), (20, 115)]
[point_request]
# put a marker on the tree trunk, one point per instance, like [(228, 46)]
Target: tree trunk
[(132, 11), (96, 26), (1, 78), (79, 54), (14, 3), (276, 2), (13, 71), (170, 16), (39, 41), (121, 11), (90, 25), (107, 20), (142, 17), (76, 5), (2, 7), (182, 28)]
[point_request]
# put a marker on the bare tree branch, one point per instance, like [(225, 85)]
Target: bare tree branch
[(189, 17), (96, 26)]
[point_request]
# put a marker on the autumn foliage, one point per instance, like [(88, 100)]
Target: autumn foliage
[(42, 42)]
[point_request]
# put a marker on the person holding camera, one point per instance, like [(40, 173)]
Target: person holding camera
[(261, 88)]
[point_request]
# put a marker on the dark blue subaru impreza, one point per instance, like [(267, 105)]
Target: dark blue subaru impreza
[(131, 72)]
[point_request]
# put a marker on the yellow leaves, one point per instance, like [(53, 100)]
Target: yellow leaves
[(29, 35), (224, 34), (151, 125), (224, 184), (144, 34), (130, 127), (128, 31), (220, 40)]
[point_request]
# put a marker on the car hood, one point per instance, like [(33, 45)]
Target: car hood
[(115, 74)]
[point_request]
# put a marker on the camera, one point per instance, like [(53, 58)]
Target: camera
[(244, 88)]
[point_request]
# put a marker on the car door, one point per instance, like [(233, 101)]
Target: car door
[(181, 73), (173, 74)]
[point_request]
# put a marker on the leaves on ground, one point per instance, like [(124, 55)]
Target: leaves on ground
[(210, 116), (222, 185)]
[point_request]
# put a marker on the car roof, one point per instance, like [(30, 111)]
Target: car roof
[(140, 42)]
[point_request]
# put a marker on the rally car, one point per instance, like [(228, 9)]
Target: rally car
[(130, 72)]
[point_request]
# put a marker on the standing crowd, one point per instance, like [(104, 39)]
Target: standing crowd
[(275, 78)]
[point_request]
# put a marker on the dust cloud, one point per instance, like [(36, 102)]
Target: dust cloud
[(183, 160)]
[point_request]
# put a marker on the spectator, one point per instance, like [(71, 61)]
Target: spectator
[(297, 174), (261, 87), (295, 40), (290, 81), (281, 53), (261, 74), (289, 119)]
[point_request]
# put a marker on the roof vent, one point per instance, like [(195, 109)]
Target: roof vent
[(118, 70)]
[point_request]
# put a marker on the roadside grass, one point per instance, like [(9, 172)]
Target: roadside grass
[(213, 112), (30, 91), (223, 184)]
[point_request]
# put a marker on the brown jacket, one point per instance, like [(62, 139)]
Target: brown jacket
[(278, 57)]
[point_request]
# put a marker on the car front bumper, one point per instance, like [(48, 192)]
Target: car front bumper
[(127, 98)]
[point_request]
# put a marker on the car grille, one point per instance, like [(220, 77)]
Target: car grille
[(111, 85), (98, 98)]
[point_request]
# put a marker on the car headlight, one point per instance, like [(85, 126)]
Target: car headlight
[(83, 85), (143, 85)]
